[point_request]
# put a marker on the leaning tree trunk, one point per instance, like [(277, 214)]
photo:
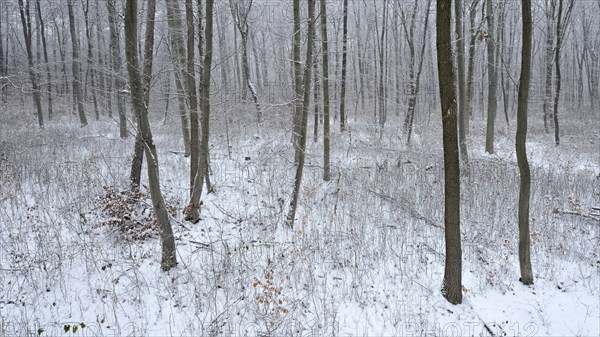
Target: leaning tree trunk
[(169, 257), (521, 138), (192, 211), (76, 66), (452, 287), (301, 149), (26, 23)]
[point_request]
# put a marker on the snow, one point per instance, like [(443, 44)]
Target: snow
[(366, 257)]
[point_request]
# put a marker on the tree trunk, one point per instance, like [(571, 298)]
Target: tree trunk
[(169, 257), (492, 80), (325, 75), (192, 211), (549, 61), (90, 57), (521, 138), (178, 55), (452, 287), (192, 99), (300, 150), (382, 49), (470, 66), (46, 61), (138, 150), (26, 23), (117, 64), (297, 81), (460, 60), (76, 66), (344, 65)]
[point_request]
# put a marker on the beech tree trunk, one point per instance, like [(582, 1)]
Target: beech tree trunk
[(521, 138), (452, 287)]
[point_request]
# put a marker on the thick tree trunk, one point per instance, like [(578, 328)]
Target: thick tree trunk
[(300, 150), (76, 66), (452, 287), (169, 257), (521, 138)]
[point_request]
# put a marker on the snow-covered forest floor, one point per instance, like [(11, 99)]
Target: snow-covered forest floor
[(365, 257)]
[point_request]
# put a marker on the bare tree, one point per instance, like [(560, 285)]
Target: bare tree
[(325, 74), (453, 268), (301, 148), (344, 65), (492, 103), (240, 9), (77, 90), (117, 64), (297, 66), (26, 23), (561, 25), (46, 61), (192, 211), (169, 257), (90, 55), (521, 138), (550, 8)]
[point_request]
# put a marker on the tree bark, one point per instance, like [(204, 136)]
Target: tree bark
[(192, 211), (325, 75), (300, 150), (46, 61), (460, 60), (492, 103), (26, 23), (90, 57), (521, 138), (76, 66), (344, 65), (169, 257), (117, 64), (452, 288)]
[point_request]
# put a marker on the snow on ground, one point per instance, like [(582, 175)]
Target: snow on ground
[(365, 258)]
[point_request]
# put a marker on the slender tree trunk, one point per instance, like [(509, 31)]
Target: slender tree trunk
[(138, 149), (169, 257), (561, 25), (492, 80), (192, 211), (549, 61), (191, 89), (521, 138), (344, 66), (297, 82), (90, 57), (76, 66), (382, 49), (117, 64), (317, 89), (325, 75), (470, 66), (178, 55), (452, 288), (26, 23), (301, 154), (105, 97), (46, 61)]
